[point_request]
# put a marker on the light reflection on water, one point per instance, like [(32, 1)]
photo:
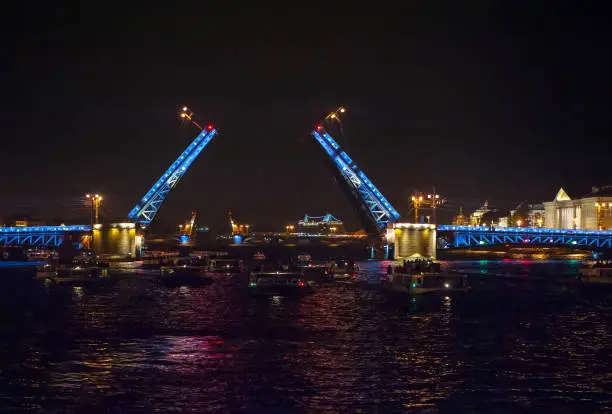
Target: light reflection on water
[(512, 344)]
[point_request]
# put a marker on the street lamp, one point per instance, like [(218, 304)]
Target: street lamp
[(435, 200), (188, 114), (519, 222), (96, 200), (416, 204), (334, 115)]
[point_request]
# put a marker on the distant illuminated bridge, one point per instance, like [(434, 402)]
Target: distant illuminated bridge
[(51, 236), (467, 236)]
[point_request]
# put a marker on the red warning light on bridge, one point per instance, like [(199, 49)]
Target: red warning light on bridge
[(210, 127), (319, 127)]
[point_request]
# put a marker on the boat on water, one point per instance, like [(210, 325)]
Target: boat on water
[(73, 275), (420, 283), (279, 282), (225, 265), (303, 259), (598, 272), (184, 275), (342, 266), (259, 256)]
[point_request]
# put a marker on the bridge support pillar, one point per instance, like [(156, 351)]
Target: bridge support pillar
[(118, 239), (411, 240)]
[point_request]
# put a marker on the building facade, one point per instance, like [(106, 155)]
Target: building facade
[(476, 216), (593, 211)]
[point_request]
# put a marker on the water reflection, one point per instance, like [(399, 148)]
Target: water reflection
[(140, 347)]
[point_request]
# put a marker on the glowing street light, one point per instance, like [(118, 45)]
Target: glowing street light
[(96, 199), (334, 115), (188, 113)]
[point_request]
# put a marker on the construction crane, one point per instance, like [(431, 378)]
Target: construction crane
[(189, 230), (238, 229)]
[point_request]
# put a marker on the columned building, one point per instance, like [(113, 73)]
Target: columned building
[(593, 211)]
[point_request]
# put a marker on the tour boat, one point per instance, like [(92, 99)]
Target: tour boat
[(419, 283), (184, 275), (259, 256), (278, 282), (303, 258), (598, 272), (225, 265), (342, 266)]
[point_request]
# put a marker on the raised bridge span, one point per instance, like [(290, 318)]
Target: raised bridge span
[(374, 210)]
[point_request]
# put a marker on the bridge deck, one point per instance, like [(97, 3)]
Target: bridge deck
[(38, 235), (466, 236)]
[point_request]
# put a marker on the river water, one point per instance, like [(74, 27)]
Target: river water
[(525, 339)]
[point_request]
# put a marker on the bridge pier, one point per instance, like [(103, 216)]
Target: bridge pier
[(411, 240), (119, 239)]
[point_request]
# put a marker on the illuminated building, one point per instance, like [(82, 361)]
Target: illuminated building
[(476, 216), (326, 224), (459, 219), (592, 211), (19, 220)]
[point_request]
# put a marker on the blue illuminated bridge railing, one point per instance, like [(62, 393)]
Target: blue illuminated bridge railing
[(51, 236), (466, 236), (145, 211), (380, 211)]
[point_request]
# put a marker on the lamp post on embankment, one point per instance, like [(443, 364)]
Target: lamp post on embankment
[(94, 200)]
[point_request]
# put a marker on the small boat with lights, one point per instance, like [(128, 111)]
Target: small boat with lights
[(184, 275), (225, 265), (279, 282), (303, 259), (74, 275), (259, 256), (421, 283), (342, 269), (599, 272)]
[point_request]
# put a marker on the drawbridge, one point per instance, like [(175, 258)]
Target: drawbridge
[(373, 208)]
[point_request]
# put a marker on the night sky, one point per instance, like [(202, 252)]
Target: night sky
[(498, 102)]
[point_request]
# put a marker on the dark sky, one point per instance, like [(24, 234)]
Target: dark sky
[(490, 102)]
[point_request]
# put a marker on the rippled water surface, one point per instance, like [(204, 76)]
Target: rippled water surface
[(526, 339)]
